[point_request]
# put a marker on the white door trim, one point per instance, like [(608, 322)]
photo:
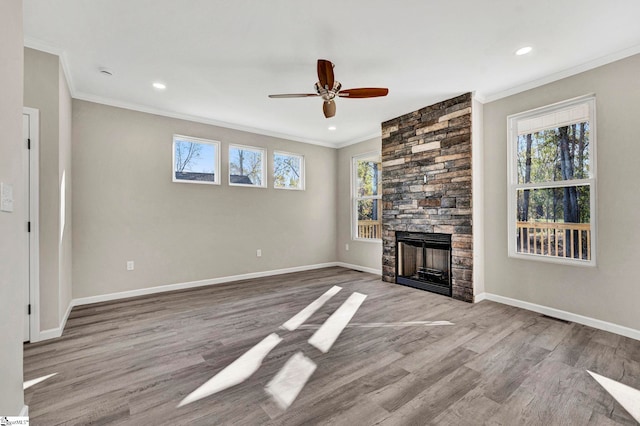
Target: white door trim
[(34, 239)]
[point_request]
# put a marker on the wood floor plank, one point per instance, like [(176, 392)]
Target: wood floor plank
[(467, 410), (130, 362), (426, 406), (506, 365), (397, 394), (573, 345)]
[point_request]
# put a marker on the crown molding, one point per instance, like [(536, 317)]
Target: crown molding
[(75, 94), (171, 114), (358, 140), (481, 97), (60, 53), (595, 63)]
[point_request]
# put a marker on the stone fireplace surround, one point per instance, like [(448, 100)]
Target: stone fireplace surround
[(426, 184)]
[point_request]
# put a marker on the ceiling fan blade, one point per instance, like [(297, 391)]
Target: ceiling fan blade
[(325, 73), (364, 92), (294, 95), (329, 108)]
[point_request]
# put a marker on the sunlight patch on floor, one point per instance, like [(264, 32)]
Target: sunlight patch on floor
[(29, 383), (626, 396), (289, 381)]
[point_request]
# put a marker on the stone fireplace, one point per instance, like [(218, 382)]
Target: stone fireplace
[(426, 188)]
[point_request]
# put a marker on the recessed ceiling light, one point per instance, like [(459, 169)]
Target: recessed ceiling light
[(524, 50), (159, 86), (332, 128)]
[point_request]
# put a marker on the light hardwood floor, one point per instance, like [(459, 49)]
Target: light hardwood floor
[(132, 361)]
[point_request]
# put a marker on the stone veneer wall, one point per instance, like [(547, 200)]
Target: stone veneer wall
[(434, 142)]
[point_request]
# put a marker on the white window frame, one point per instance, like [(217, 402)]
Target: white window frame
[(263, 153), (514, 186), (182, 138), (374, 155), (300, 187)]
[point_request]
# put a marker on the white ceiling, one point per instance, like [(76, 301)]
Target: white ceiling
[(220, 59)]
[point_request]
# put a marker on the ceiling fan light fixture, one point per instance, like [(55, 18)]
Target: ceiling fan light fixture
[(328, 88), (329, 108)]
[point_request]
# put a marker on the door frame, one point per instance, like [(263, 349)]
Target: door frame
[(33, 161)]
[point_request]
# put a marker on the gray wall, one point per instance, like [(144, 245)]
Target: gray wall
[(609, 292), (127, 208), (41, 92), (45, 89), (13, 269), (478, 189), (64, 167), (360, 253)]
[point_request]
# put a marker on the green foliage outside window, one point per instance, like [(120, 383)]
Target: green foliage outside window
[(368, 185), (554, 155), (367, 198), (287, 170)]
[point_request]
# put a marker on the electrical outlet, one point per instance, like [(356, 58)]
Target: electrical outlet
[(130, 265), (346, 247), (259, 253)]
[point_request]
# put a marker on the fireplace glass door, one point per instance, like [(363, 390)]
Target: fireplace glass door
[(424, 264)]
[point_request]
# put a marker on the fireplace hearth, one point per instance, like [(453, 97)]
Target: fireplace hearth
[(424, 261)]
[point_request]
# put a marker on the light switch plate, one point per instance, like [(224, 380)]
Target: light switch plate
[(6, 197)]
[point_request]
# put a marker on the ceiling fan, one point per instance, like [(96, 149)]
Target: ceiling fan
[(328, 88)]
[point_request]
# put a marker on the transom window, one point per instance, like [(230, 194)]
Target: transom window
[(367, 197), (196, 160), (247, 166), (552, 183), (288, 170)]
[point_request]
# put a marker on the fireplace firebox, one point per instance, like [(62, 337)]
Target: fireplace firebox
[(423, 260)]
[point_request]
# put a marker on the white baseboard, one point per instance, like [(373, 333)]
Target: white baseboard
[(63, 323), (359, 268), (53, 333), (564, 315), (479, 297), (57, 332), (194, 284), (24, 412)]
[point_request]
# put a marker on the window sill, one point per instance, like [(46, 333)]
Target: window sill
[(368, 240), (289, 189), (198, 182), (554, 260), (247, 185)]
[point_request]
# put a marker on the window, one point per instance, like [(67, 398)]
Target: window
[(552, 183), (288, 171), (247, 166), (196, 160), (367, 197)]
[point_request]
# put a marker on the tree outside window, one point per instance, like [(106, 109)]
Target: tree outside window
[(288, 171), (246, 166), (367, 200), (552, 182), (195, 160)]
